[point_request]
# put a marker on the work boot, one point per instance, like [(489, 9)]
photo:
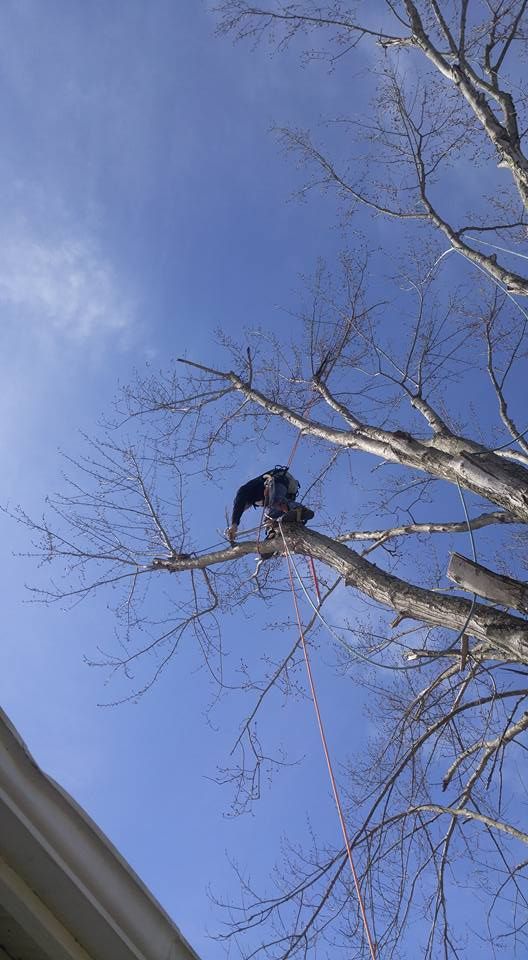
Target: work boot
[(298, 514)]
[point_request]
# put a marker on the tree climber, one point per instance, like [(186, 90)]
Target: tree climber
[(276, 491)]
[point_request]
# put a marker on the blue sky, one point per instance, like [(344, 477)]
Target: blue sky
[(145, 204)]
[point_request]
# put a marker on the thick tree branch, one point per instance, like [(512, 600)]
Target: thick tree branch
[(452, 458), (505, 634)]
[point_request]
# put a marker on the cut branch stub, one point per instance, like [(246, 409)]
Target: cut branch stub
[(475, 578)]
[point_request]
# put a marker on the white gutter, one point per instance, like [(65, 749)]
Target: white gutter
[(62, 880)]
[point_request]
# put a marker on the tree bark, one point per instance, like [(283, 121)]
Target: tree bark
[(446, 456), (495, 587), (505, 635)]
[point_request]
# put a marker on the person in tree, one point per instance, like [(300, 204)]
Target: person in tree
[(276, 491)]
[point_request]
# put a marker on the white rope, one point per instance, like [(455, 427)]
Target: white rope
[(508, 294), (485, 243), (474, 549), (356, 654)]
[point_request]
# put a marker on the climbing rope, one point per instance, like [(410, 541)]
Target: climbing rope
[(315, 701), (293, 451), (335, 791), (504, 290), (484, 243), (291, 568), (352, 651), (306, 411)]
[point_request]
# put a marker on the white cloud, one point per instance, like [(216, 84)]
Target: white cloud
[(62, 282)]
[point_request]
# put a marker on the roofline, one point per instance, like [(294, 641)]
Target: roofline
[(106, 890)]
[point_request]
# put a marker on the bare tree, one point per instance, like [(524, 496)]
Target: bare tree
[(442, 668), (465, 105), (403, 390)]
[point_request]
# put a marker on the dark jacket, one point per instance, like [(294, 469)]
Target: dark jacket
[(251, 494)]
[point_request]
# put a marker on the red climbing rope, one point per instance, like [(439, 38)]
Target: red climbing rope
[(335, 791), (293, 451), (306, 411)]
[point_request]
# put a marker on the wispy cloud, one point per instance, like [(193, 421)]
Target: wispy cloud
[(64, 283)]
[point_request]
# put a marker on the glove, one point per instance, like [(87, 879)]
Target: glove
[(231, 533)]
